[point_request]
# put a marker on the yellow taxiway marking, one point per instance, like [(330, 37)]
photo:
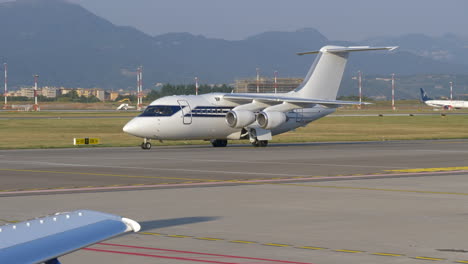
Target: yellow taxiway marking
[(461, 261), (430, 169), (243, 242), (209, 238), (368, 189), (348, 251), (110, 175), (276, 245), (153, 234), (178, 236), (314, 248), (428, 258), (387, 254)]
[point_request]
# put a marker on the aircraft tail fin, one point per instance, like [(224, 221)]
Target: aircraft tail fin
[(424, 96), (324, 77)]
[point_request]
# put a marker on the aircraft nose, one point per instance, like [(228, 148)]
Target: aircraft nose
[(131, 128)]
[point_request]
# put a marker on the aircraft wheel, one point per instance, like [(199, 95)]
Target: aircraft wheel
[(256, 143), (263, 143), (147, 145), (142, 145), (219, 143)]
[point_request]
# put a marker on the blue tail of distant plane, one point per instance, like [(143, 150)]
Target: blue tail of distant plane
[(424, 96)]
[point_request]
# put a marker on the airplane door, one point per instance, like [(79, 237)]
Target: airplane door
[(186, 112)]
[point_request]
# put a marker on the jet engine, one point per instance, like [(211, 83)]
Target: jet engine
[(239, 118), (269, 120)]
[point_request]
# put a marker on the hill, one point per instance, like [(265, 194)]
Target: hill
[(69, 46)]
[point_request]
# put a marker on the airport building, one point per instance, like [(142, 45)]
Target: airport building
[(267, 85)]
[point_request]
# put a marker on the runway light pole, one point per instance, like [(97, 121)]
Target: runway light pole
[(276, 81), (393, 91), (6, 85), (258, 80), (360, 89), (451, 91), (36, 106)]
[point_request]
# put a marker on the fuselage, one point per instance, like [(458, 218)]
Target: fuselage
[(204, 117), (447, 103)]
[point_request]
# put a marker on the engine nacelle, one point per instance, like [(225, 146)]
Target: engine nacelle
[(239, 118), (269, 120)]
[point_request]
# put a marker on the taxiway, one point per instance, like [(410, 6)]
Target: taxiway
[(359, 202)]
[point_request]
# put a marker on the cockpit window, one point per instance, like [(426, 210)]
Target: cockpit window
[(160, 110)]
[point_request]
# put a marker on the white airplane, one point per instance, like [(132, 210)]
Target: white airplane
[(446, 104), (220, 117)]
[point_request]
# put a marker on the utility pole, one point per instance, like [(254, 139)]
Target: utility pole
[(360, 89), (258, 80), (451, 91), (36, 106), (276, 81), (393, 91), (6, 85)]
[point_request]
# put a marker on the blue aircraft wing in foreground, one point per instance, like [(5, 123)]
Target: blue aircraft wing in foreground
[(43, 240)]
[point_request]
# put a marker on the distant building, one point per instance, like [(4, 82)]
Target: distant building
[(26, 91), (100, 94), (267, 85), (49, 92), (64, 91), (113, 96)]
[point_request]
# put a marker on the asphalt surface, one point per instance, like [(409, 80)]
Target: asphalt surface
[(362, 202)]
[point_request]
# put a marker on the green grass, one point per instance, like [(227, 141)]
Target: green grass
[(58, 133)]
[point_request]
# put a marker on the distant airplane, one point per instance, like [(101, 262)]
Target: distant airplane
[(220, 117), (43, 240), (446, 104)]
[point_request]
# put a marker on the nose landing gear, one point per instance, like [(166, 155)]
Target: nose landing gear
[(146, 144)]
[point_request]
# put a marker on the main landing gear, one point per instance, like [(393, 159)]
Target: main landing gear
[(254, 140), (146, 144), (219, 142), (260, 143)]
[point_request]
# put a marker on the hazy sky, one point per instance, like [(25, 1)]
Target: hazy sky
[(336, 19)]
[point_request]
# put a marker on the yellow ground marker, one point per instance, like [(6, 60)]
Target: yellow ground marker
[(111, 175), (178, 236), (209, 238), (430, 169), (348, 251), (461, 261), (367, 189), (276, 245), (243, 242), (152, 234), (314, 248), (387, 254), (428, 258)]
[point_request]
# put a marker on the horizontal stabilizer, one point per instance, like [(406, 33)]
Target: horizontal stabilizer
[(47, 238), (337, 49)]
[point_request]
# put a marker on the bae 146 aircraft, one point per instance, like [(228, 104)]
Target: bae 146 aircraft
[(220, 117), (446, 104)]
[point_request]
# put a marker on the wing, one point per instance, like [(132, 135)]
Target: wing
[(273, 99), (47, 238)]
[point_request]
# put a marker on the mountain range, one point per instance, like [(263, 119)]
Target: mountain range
[(66, 45)]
